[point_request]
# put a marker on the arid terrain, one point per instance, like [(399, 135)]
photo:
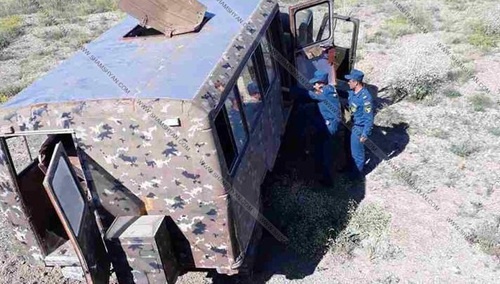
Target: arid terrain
[(428, 214)]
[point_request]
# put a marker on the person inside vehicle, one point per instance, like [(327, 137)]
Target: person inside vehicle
[(326, 125), (47, 149)]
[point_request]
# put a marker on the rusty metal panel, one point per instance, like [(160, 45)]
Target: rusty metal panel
[(142, 250), (171, 17)]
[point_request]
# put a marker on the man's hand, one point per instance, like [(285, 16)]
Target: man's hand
[(363, 139)]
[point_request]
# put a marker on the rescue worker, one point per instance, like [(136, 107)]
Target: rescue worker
[(329, 107), (361, 108)]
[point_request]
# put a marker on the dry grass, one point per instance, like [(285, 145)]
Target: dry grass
[(10, 91), (488, 236), (367, 228), (60, 8), (10, 29)]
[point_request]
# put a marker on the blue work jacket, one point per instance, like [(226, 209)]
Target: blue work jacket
[(329, 106), (361, 107)]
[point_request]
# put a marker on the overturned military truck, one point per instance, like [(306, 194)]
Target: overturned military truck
[(126, 154)]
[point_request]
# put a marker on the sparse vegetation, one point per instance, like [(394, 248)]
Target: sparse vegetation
[(495, 131), (479, 37), (10, 91), (310, 217), (418, 69), (470, 210), (464, 149), (480, 102), (389, 116), (369, 225), (452, 93), (487, 236), (440, 133), (10, 29), (398, 26)]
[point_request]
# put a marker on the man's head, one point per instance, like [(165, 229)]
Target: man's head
[(355, 79), (319, 80), (254, 91)]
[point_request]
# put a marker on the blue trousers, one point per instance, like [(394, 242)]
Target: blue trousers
[(357, 148)]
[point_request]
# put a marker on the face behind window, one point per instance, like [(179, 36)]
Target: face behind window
[(236, 120), (250, 92)]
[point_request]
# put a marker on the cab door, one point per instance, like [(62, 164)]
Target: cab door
[(346, 30), (77, 217), (314, 26)]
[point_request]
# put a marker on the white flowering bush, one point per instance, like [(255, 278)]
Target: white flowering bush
[(418, 67)]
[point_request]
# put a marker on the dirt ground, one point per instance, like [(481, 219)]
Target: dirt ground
[(449, 142)]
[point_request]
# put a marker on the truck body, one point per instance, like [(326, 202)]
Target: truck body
[(182, 128)]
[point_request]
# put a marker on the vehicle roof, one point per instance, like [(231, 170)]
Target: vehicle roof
[(151, 67)]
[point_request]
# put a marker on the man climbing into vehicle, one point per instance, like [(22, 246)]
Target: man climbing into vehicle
[(326, 125), (361, 108)]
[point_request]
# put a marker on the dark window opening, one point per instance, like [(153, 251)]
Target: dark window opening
[(226, 138), (251, 85), (275, 36), (140, 31), (258, 58)]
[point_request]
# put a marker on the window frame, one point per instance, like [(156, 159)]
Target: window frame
[(223, 110), (296, 45), (268, 36), (260, 69)]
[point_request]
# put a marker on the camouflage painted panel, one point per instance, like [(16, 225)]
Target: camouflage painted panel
[(156, 163), (11, 207)]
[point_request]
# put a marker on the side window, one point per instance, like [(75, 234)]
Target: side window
[(269, 63), (312, 24), (250, 90), (231, 129)]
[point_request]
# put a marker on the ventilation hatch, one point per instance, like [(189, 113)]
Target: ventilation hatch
[(170, 17)]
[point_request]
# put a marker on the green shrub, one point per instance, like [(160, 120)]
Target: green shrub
[(464, 149), (481, 37), (495, 131), (10, 29), (398, 26), (452, 93), (481, 102), (97, 6), (10, 91)]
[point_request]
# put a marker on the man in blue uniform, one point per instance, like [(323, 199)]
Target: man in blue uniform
[(361, 108), (327, 125)]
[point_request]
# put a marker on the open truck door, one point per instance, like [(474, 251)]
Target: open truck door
[(315, 28), (78, 219)]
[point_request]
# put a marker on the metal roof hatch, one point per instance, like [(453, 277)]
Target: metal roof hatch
[(170, 17)]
